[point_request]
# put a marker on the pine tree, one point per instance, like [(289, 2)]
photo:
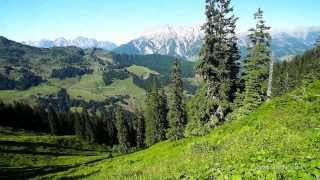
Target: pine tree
[(257, 65), (220, 54), (122, 129), (156, 114), (53, 120), (177, 112)]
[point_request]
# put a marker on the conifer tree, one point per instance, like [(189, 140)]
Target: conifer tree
[(257, 64), (156, 114), (122, 130), (220, 54), (177, 113)]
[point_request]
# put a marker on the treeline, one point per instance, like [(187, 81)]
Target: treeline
[(69, 71), (102, 127), (27, 80), (293, 73)]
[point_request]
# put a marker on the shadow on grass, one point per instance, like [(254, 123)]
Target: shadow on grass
[(33, 144), (29, 172), (4, 151)]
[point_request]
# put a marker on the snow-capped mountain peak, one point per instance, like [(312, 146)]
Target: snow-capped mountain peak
[(169, 40), (186, 41), (81, 42)]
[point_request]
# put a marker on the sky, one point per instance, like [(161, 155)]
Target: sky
[(123, 20)]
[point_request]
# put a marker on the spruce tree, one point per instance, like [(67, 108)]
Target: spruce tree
[(177, 113), (220, 54), (156, 114), (122, 130), (257, 65)]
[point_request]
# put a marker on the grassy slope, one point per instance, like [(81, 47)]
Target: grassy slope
[(88, 87), (281, 139), (24, 154), (141, 71)]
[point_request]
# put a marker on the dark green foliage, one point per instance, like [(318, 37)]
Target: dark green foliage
[(114, 74), (145, 83), (156, 115), (122, 130), (53, 121), (139, 126), (198, 110), (177, 114), (256, 65), (162, 120), (63, 101), (69, 55), (79, 124), (220, 54), (301, 69), (69, 71), (28, 80), (6, 83), (15, 115)]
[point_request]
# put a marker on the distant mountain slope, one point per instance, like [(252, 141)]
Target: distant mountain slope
[(81, 42), (186, 42), (27, 72)]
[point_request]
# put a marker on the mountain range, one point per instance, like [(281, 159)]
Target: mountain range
[(81, 42), (185, 42)]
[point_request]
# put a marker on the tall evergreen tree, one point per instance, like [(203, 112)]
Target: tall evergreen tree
[(257, 64), (177, 113), (122, 130), (151, 114), (220, 54), (156, 114)]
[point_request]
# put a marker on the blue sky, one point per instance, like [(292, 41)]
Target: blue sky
[(122, 20)]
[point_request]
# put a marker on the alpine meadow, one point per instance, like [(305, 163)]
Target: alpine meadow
[(227, 89)]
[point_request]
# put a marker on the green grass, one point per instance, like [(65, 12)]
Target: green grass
[(280, 140), (87, 87), (141, 71), (24, 154)]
